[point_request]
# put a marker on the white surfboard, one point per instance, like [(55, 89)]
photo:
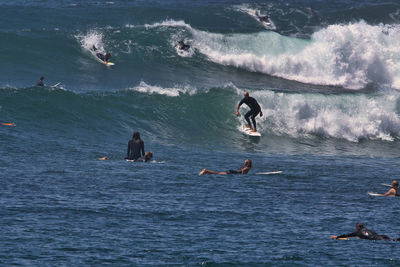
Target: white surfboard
[(57, 84), (249, 132), (274, 172), (374, 194), (388, 185)]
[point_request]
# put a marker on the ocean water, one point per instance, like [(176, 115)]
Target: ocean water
[(327, 79)]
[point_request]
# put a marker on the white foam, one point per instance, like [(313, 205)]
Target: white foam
[(169, 23), (173, 92), (252, 12), (351, 55), (91, 38), (346, 116)]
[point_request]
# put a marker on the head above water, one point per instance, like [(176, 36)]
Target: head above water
[(41, 78), (246, 94), (359, 226), (136, 135), (148, 156), (395, 184), (248, 163)]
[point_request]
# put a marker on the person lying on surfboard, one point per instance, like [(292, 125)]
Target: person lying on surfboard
[(244, 170), (364, 233), (262, 18), (393, 192), (183, 46), (255, 109), (103, 57), (40, 82)]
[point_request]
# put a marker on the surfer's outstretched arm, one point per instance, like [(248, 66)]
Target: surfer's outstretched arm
[(205, 171)]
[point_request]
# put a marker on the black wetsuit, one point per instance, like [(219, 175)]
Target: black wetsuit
[(184, 47), (397, 194), (134, 149), (234, 171), (40, 83), (101, 56), (254, 109), (364, 233)]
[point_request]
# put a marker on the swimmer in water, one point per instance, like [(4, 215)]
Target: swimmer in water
[(244, 170), (364, 233)]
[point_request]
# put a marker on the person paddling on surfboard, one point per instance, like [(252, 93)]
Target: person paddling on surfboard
[(244, 170), (364, 233), (255, 109), (393, 192), (103, 57), (40, 82)]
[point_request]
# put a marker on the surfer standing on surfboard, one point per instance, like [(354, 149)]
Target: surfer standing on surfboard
[(255, 109), (182, 46), (262, 18), (101, 56)]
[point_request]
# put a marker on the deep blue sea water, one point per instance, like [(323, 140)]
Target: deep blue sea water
[(327, 79)]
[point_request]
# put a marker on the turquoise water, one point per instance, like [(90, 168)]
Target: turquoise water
[(328, 86)]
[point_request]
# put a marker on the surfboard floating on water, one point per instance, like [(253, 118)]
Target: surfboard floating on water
[(7, 123), (249, 132), (374, 194), (57, 84), (274, 172)]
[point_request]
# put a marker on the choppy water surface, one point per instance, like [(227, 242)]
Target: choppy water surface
[(327, 79)]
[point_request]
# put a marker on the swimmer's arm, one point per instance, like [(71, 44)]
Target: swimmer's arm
[(344, 236), (391, 192), (245, 170), (238, 106)]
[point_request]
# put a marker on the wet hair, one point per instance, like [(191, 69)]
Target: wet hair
[(395, 183), (246, 94), (359, 226), (136, 135), (41, 78), (148, 156), (248, 163)]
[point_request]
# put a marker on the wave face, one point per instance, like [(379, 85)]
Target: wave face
[(312, 47), (350, 56), (317, 74), (326, 77), (195, 116)]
